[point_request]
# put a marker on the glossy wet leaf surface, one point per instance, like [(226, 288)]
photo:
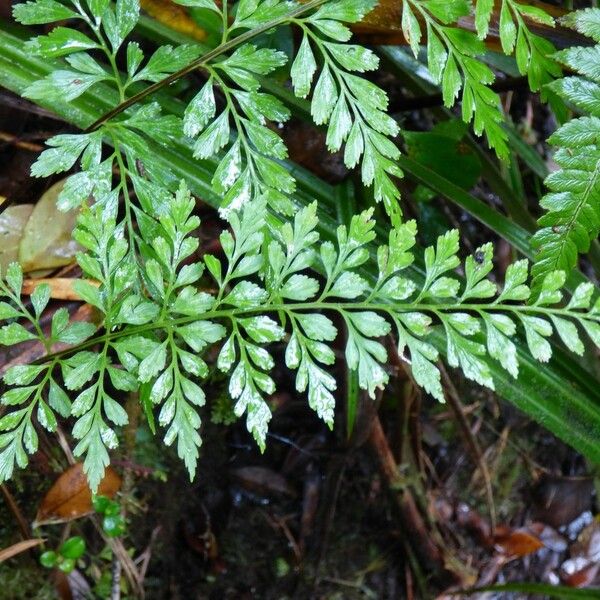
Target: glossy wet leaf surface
[(47, 240), (12, 225)]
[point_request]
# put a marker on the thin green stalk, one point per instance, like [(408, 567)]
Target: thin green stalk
[(291, 309), (204, 60), (126, 201)]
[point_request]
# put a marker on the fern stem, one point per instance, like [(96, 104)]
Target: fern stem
[(123, 185), (392, 310), (203, 60)]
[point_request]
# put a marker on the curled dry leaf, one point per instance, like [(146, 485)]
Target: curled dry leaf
[(12, 224), (516, 542), (61, 288), (19, 548), (47, 240), (71, 498)]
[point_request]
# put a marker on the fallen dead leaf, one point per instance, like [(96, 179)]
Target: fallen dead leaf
[(12, 224), (19, 548), (61, 288), (71, 498), (515, 542), (47, 240), (174, 16)]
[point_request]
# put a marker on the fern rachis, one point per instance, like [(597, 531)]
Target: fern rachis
[(572, 220)]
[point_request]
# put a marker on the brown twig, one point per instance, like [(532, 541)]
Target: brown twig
[(279, 523), (127, 565), (413, 522), (64, 444), (144, 558), (18, 103), (9, 138)]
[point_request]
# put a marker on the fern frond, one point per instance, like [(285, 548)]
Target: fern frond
[(572, 220), (452, 59), (532, 52), (353, 108), (159, 320), (453, 56), (156, 338)]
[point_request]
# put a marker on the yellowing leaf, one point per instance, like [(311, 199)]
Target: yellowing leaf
[(47, 239), (12, 224), (174, 16)]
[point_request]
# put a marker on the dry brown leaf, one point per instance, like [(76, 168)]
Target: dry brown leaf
[(173, 16), (19, 548), (262, 481), (71, 498), (61, 288), (516, 542)]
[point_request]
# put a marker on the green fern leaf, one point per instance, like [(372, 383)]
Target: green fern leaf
[(572, 220)]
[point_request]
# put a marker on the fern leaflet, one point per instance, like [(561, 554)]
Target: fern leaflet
[(572, 220)]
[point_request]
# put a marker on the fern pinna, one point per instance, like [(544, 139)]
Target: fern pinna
[(278, 283), (572, 220)]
